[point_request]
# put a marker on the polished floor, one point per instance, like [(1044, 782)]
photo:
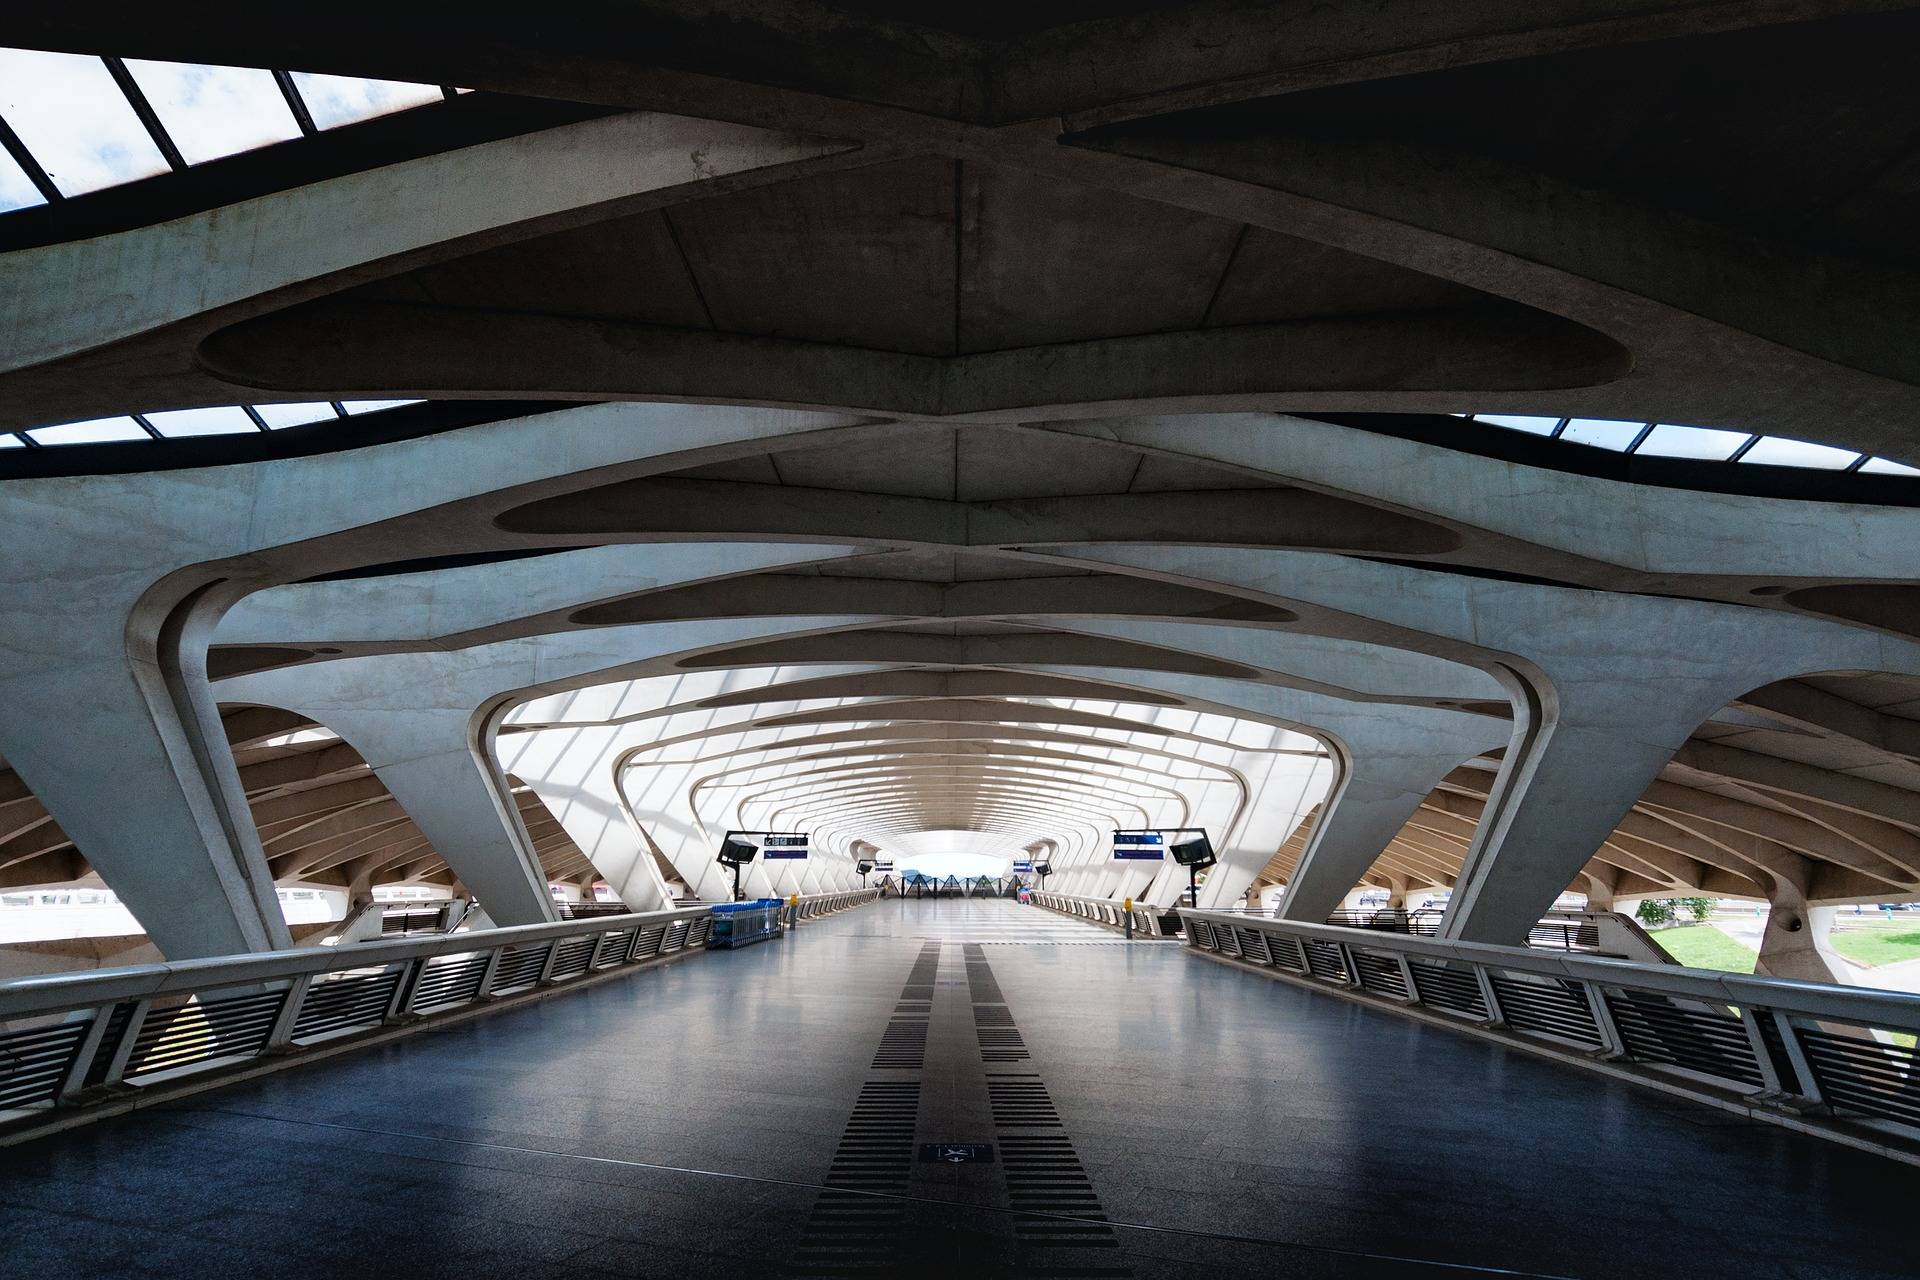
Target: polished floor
[(797, 1108)]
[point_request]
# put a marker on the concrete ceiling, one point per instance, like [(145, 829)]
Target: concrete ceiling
[(1072, 278)]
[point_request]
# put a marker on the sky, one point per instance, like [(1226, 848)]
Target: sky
[(82, 130)]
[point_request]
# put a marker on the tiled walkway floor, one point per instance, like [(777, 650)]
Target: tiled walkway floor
[(683, 1122)]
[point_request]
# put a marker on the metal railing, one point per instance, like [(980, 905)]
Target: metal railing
[(407, 918), (1424, 923), (590, 910), (104, 1038), (1556, 931), (1829, 1059), (814, 905), (1148, 922)]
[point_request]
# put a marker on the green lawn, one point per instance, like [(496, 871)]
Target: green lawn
[(1701, 946), (1877, 946)]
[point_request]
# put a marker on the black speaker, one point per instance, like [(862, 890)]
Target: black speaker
[(737, 853), (1193, 851)]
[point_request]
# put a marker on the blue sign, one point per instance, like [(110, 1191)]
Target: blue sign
[(784, 846), (1139, 846), (1023, 868)]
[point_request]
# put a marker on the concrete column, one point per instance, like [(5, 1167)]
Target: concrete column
[(1601, 882), (572, 771), (1572, 774), (1379, 790), (469, 819), (104, 714), (1795, 943)]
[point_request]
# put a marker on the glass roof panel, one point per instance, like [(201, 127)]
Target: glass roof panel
[(1520, 422), (293, 415), (1602, 433), (336, 100), (1670, 441), (215, 111), (16, 188), (74, 119), (12, 442), (91, 431), (182, 424), (373, 406), (1777, 451), (1888, 467)]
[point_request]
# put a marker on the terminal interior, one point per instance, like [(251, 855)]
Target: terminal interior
[(851, 639)]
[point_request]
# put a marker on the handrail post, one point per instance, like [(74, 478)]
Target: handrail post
[(123, 1052), (84, 1054), (280, 1038), (1770, 1085), (1797, 1054), (546, 964), (1346, 962), (1612, 1044), (1406, 976), (488, 974), (403, 991), (1494, 1017)]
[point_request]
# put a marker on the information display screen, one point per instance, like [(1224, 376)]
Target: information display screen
[(741, 847), (1139, 846), (1189, 846), (794, 846)]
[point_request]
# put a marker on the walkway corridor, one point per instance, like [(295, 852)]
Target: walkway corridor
[(794, 1108)]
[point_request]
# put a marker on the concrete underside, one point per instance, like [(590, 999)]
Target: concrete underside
[(684, 1123)]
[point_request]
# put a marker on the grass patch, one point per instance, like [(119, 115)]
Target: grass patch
[(1877, 946), (1701, 946)]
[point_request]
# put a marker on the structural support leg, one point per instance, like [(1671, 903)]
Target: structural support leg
[(1376, 796), (123, 711)]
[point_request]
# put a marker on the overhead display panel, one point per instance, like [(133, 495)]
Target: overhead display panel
[(784, 846), (1139, 846), (743, 846), (1190, 846)]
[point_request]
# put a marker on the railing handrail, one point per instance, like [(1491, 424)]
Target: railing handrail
[(60, 992), (1897, 1009)]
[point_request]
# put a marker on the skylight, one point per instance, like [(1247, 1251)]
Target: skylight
[(185, 424), (338, 100), (73, 123), (211, 112), (1703, 444)]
